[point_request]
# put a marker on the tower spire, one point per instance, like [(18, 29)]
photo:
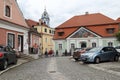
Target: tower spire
[(45, 17)]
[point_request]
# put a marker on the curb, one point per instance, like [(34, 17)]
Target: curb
[(105, 70), (11, 67)]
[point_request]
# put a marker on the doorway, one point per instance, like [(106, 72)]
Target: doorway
[(20, 43), (83, 45)]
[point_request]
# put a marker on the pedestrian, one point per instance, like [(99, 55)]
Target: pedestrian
[(46, 54), (70, 52), (65, 52), (56, 52), (50, 52)]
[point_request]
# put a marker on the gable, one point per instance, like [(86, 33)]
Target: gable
[(83, 33), (67, 32), (16, 16)]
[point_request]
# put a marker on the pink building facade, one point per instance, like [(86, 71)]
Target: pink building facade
[(13, 28)]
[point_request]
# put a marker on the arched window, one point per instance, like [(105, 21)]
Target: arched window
[(93, 44), (7, 11), (110, 44)]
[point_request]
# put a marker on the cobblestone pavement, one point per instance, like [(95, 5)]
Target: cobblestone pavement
[(110, 67), (19, 62), (77, 71), (56, 68)]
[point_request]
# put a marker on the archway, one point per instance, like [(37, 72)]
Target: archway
[(83, 44)]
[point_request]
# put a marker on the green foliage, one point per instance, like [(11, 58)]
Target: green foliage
[(118, 36)]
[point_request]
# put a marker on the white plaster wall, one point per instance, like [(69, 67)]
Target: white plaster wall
[(17, 28)]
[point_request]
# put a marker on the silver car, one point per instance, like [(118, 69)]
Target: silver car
[(99, 54)]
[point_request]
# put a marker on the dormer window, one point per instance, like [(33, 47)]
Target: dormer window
[(110, 30), (7, 11), (60, 33)]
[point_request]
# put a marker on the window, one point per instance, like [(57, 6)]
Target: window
[(1, 48), (93, 44), (53, 32), (49, 31), (45, 49), (83, 44), (60, 33), (35, 29), (110, 30), (11, 40), (46, 40), (72, 46), (50, 40), (7, 49), (107, 49), (60, 46), (7, 11), (110, 44), (45, 30)]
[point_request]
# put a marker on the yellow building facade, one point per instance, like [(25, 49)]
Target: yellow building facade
[(47, 33), (46, 37)]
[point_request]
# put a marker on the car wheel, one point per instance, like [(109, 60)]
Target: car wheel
[(76, 59), (97, 60), (5, 65), (116, 58)]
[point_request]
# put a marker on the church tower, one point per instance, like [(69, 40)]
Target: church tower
[(45, 18)]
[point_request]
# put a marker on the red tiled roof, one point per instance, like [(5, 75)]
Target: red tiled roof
[(87, 19), (67, 32), (118, 19), (97, 23), (31, 23), (101, 30)]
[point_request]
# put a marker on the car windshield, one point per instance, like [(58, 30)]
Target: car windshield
[(95, 49), (117, 47), (1, 48)]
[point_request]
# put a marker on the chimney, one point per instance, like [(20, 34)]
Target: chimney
[(86, 13)]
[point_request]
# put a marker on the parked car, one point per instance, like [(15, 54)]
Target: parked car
[(7, 56), (117, 48), (99, 54), (78, 51)]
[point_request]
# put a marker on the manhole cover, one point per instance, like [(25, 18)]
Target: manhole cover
[(52, 71)]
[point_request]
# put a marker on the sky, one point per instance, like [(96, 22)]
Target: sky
[(61, 10)]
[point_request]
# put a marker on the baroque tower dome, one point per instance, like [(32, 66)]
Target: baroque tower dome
[(45, 18)]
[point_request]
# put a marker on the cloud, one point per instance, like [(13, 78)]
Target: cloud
[(62, 10)]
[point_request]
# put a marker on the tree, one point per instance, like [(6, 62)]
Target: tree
[(118, 36)]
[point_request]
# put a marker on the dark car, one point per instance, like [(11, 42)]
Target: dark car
[(78, 51), (7, 56), (117, 48), (99, 54)]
